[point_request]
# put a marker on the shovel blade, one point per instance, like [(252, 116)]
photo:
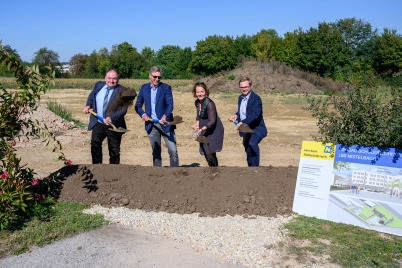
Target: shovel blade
[(118, 129), (177, 119), (202, 139), (245, 128)]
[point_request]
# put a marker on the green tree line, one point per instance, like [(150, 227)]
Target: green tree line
[(348, 50)]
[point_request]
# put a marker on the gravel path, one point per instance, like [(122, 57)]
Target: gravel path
[(248, 241)]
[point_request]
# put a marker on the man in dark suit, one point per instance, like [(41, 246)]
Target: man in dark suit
[(250, 112), (158, 100), (100, 100)]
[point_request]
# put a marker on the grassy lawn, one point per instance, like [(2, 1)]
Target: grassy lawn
[(347, 245), (51, 221)]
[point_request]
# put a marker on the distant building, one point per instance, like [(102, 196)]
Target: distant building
[(65, 68), (374, 181)]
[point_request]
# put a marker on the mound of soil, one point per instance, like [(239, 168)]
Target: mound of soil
[(264, 80), (266, 191)]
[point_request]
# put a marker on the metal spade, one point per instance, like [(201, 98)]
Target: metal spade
[(244, 128), (114, 128), (177, 119), (201, 139)]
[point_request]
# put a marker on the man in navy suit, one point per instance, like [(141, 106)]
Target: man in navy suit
[(250, 112), (99, 100), (158, 100)]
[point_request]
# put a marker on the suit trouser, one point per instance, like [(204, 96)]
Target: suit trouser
[(154, 136), (99, 133), (250, 143)]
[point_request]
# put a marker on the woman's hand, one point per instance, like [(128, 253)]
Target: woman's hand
[(196, 125)]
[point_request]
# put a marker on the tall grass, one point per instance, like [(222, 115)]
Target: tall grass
[(88, 83), (59, 109)]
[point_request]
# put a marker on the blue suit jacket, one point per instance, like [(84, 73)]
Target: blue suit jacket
[(163, 106), (254, 118), (117, 115)]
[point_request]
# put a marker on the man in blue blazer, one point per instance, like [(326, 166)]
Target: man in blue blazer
[(100, 101), (250, 112), (158, 100)]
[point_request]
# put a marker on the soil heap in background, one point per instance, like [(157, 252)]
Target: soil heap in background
[(263, 81)]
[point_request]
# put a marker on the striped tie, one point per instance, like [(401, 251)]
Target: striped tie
[(105, 100)]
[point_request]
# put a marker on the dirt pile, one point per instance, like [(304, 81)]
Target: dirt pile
[(263, 81), (65, 131), (266, 191)]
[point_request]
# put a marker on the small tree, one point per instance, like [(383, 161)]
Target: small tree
[(322, 49), (261, 46), (45, 57), (359, 117), (77, 64), (18, 187), (388, 53), (213, 54), (242, 46), (174, 61), (91, 66)]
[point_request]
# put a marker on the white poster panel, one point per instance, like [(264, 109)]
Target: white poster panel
[(351, 184), (314, 178)]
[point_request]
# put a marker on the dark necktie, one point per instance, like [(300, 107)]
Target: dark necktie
[(105, 100)]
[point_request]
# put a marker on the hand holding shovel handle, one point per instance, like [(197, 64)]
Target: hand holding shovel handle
[(114, 128), (176, 120)]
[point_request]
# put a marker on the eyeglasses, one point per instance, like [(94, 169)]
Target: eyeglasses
[(155, 76), (244, 87), (200, 84)]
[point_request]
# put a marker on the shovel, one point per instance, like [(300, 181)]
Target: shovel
[(244, 128), (114, 128), (177, 119), (201, 139)]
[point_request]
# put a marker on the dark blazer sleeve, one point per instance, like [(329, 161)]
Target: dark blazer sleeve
[(168, 96), (164, 106), (91, 102), (140, 102)]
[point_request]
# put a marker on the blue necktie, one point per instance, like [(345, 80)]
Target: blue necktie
[(105, 100)]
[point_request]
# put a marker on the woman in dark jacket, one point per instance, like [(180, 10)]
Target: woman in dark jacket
[(208, 123)]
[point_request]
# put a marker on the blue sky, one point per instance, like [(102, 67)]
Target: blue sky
[(72, 27)]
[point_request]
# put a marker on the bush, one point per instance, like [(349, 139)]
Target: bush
[(359, 117), (19, 189), (232, 77)]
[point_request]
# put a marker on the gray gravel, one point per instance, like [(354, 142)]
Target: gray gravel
[(250, 241)]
